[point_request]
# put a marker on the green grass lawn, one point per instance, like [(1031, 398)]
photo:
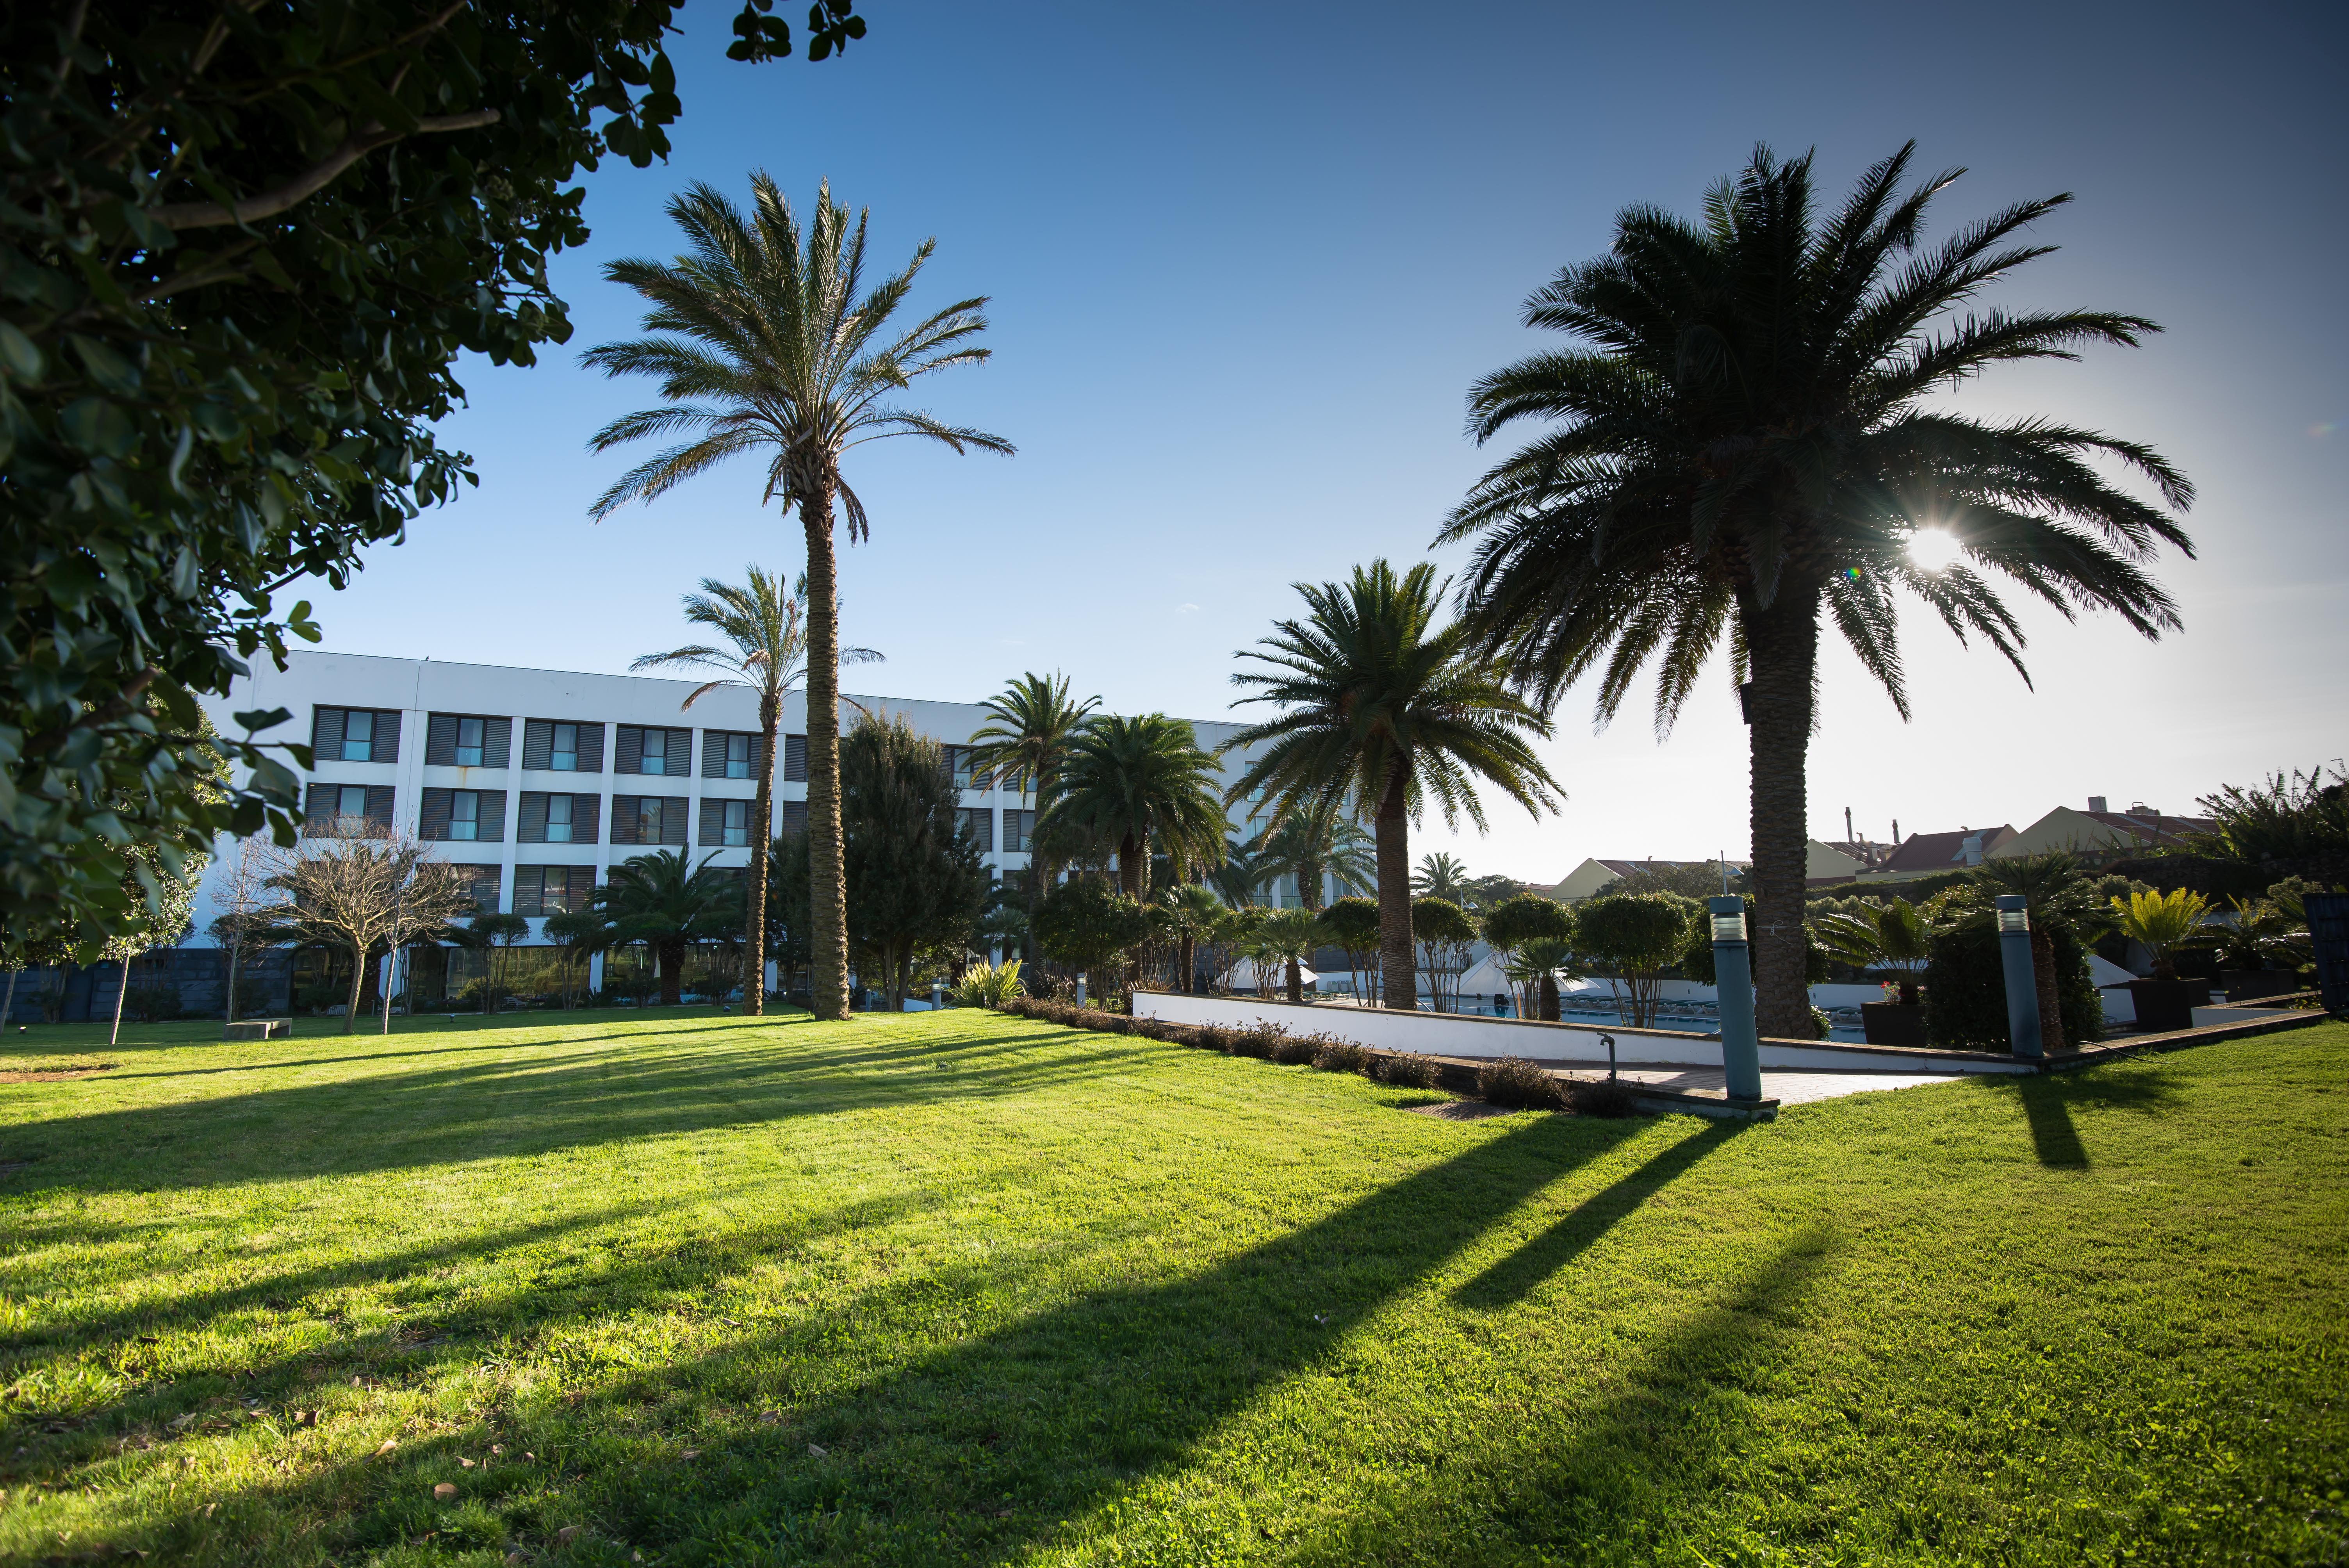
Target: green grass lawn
[(678, 1288)]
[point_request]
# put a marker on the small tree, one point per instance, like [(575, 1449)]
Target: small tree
[(1352, 925), (579, 935), (1536, 967), (1287, 937), (1188, 916), (363, 888), (1444, 933), (916, 880), (1511, 926), (1084, 923), (1636, 936), (495, 935), (251, 915)]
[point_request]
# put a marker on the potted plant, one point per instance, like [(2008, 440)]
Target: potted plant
[(2162, 923), (1891, 936), (2261, 935)]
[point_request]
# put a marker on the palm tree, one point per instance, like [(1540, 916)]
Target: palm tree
[(1317, 839), (1242, 873), (1134, 783), (1388, 708), (664, 904), (1190, 914), (2053, 890), (1287, 937), (1028, 730), (764, 344), (1743, 449), (766, 635), (1895, 934), (1442, 876)]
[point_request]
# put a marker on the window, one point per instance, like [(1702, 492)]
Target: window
[(641, 749), (552, 889), (557, 818), (355, 735), (648, 819), (959, 762), (981, 823), (559, 746), (1019, 831), (795, 816), (726, 823), (464, 816), (794, 759), (344, 810), (481, 885), (466, 740), (728, 755)]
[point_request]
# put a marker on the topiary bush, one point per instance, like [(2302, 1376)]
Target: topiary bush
[(1515, 1082)]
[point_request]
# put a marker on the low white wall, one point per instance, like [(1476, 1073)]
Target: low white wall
[(1489, 1040)]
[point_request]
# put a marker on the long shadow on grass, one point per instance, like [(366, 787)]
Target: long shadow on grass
[(2048, 1100), (507, 1107)]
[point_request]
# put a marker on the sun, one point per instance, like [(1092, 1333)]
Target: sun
[(1933, 549)]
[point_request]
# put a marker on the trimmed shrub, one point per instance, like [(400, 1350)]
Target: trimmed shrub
[(152, 1003), (1965, 989), (1406, 1071), (1342, 1057), (1295, 1050), (1515, 1082), (1609, 1098)]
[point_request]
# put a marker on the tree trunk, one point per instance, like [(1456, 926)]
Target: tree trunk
[(358, 987), (827, 878), (1296, 983), (1132, 866), (123, 991), (234, 950), (1188, 955), (671, 955), (754, 983), (1398, 978), (8, 1010), (1549, 998), (2043, 971), (1309, 885), (1781, 642), (390, 968)]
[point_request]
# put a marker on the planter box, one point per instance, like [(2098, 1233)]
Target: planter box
[(2249, 985), (2165, 1005), (1891, 1023)]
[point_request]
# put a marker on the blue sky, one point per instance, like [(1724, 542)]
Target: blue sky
[(1245, 260)]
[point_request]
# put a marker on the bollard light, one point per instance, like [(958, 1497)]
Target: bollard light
[(1732, 973), (2021, 978), (1081, 990)]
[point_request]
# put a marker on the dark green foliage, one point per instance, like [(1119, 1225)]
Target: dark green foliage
[(151, 1003), (2295, 822), (1528, 917), (1696, 957), (1611, 1098), (1635, 937), (668, 904), (1701, 881), (916, 880), (1965, 989), (200, 406), (1515, 1082), (1404, 1070), (1084, 922)]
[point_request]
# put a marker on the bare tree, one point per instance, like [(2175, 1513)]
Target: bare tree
[(251, 915), (361, 887)]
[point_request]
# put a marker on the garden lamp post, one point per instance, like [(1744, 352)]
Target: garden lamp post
[(1741, 1048), (2022, 983), (1081, 987)]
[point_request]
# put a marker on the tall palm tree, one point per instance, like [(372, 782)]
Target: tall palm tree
[(1440, 875), (1388, 708), (1315, 840), (766, 635), (667, 904), (1139, 782), (766, 345), (1028, 730), (1742, 449)]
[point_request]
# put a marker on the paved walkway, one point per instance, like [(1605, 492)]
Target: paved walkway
[(1785, 1087)]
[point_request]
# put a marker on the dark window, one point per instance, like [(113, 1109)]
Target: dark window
[(355, 735), (347, 811), (1019, 831), (648, 819), (481, 885), (725, 823), (959, 762), (794, 759), (639, 748), (795, 816), (552, 889), (559, 746), (557, 818), (463, 740), (464, 816), (981, 823), (729, 754)]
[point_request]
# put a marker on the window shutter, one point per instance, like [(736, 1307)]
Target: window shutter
[(379, 807), (529, 885), (673, 808), (680, 749), (497, 741), (326, 733), (628, 751), (386, 742), (537, 743), (713, 818), (531, 827), (440, 740), (591, 749), (794, 759), (435, 823), (493, 816), (583, 818), (713, 754), (795, 816), (319, 807), (623, 818)]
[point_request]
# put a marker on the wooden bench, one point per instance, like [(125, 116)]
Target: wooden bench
[(259, 1029)]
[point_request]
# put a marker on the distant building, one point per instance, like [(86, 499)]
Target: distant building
[(1923, 855), (1826, 865), (2098, 837)]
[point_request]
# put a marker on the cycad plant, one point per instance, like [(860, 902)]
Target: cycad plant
[(1287, 937), (1892, 935), (765, 630), (2163, 923), (1139, 784), (767, 341), (1750, 439), (1536, 969), (988, 984), (1384, 706)]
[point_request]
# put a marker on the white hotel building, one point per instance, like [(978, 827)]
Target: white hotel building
[(538, 781)]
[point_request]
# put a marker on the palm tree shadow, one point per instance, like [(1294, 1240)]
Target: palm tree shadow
[(1514, 1277), (2048, 1099)]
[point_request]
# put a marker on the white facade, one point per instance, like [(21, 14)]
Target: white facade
[(417, 689)]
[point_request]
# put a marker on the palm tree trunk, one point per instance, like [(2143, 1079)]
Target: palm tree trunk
[(1296, 983), (672, 975), (827, 878), (2051, 1006), (754, 984), (1548, 989), (1398, 978), (1188, 952), (1782, 640)]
